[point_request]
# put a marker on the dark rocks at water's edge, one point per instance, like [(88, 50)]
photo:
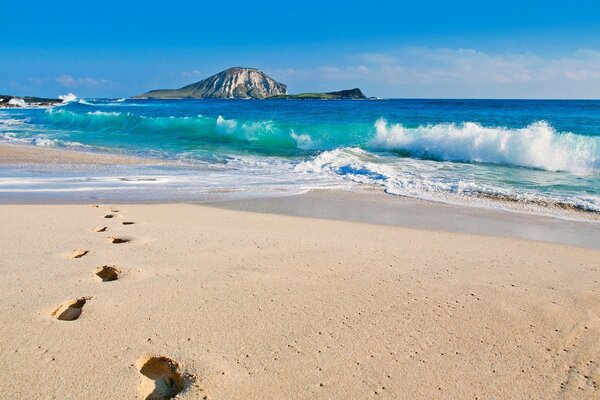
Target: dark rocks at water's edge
[(7, 101), (353, 94), (233, 83), (349, 94)]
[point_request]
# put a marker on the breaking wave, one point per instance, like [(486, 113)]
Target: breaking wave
[(538, 145), (428, 179), (67, 98), (320, 145), (198, 130)]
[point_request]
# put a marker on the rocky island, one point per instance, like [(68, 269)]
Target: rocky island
[(245, 83), (233, 83), (350, 94)]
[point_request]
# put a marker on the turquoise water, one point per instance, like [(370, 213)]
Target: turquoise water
[(530, 152)]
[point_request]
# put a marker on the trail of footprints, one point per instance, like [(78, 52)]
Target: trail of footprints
[(161, 376)]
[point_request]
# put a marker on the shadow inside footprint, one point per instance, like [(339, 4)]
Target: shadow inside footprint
[(161, 379), (109, 216), (107, 273), (117, 240), (100, 229), (78, 253), (70, 310), (128, 223)]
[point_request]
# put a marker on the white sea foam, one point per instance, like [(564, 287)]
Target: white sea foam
[(37, 140), (429, 179), (12, 121), (536, 146), (67, 98), (303, 140), (17, 102), (249, 131), (105, 113), (226, 126)]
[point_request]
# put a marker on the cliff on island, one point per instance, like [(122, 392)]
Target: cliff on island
[(233, 83)]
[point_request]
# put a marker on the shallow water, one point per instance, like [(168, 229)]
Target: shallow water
[(545, 153)]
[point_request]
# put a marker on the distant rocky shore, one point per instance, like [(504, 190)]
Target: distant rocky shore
[(350, 94), (7, 101)]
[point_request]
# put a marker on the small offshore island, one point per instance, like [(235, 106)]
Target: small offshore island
[(349, 94), (245, 83)]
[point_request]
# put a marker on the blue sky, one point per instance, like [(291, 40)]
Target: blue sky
[(435, 48)]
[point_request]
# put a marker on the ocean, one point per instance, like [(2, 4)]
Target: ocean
[(535, 155)]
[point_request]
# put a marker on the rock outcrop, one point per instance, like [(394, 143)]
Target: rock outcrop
[(7, 101), (350, 94), (236, 83)]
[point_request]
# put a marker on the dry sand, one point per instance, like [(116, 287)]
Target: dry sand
[(234, 305)]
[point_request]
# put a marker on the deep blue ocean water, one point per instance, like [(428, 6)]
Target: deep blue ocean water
[(540, 152)]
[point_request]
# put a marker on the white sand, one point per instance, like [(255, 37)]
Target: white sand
[(257, 306), (22, 154)]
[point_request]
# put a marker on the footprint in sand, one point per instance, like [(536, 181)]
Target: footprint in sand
[(107, 273), (78, 253), (118, 240), (100, 229), (128, 223), (70, 310), (161, 378)]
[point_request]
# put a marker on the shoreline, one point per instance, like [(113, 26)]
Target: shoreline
[(578, 228), (330, 294), (405, 212), (19, 154)]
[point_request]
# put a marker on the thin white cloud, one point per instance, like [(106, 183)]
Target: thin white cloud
[(194, 73), (464, 72), (69, 81)]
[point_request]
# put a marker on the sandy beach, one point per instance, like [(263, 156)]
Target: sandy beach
[(300, 200), (250, 305)]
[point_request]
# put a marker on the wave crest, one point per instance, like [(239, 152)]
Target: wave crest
[(67, 98), (537, 145), (435, 180)]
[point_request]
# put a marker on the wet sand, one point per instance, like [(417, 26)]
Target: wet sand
[(379, 208), (18, 155)]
